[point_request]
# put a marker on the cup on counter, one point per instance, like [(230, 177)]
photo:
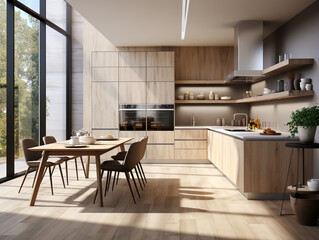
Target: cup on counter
[(308, 86), (218, 122), (74, 140), (216, 97)]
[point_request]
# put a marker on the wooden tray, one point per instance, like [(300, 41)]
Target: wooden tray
[(270, 133)]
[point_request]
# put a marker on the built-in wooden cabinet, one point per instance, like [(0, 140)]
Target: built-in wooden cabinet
[(160, 137), (160, 74), (104, 59), (160, 92), (160, 59), (104, 110), (132, 92), (160, 153), (132, 59), (193, 134), (132, 74)]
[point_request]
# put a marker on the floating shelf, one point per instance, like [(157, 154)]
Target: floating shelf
[(204, 82), (285, 66), (263, 98)]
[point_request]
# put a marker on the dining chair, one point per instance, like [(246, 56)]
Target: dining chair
[(51, 139), (130, 161), (121, 155), (33, 159)]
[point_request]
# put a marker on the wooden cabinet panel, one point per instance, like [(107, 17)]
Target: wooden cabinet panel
[(132, 92), (160, 59), (160, 152), (105, 74), (132, 59), (191, 154), (191, 144), (160, 136), (210, 145), (134, 74), (160, 92), (104, 105), (99, 133), (160, 74), (105, 59), (137, 135), (196, 134)]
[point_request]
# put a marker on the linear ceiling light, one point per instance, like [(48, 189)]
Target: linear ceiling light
[(185, 7)]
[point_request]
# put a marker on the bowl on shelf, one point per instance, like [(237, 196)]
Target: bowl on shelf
[(313, 184), (200, 97), (180, 97), (225, 97)]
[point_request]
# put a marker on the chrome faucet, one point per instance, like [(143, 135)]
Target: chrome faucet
[(242, 114), (193, 119)]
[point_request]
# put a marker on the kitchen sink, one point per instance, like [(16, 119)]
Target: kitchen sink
[(238, 130)]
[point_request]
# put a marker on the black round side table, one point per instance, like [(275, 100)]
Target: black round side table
[(298, 146)]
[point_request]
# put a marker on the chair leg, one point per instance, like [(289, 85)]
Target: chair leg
[(142, 171), (66, 173), (138, 168), (50, 173), (35, 176), (129, 184), (114, 178), (97, 190), (76, 169), (117, 180), (83, 166), (139, 179), (107, 179), (135, 184), (61, 175), (25, 176)]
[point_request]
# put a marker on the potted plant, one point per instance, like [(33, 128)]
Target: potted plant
[(304, 122)]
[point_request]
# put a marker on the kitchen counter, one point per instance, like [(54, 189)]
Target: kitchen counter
[(245, 136)]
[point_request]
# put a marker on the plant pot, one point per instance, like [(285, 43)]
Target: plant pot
[(306, 135), (306, 208)]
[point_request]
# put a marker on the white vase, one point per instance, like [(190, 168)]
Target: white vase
[(302, 85), (306, 135)]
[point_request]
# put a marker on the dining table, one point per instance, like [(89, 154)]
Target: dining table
[(64, 149)]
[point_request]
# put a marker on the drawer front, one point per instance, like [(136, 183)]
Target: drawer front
[(160, 137), (191, 144), (160, 152), (190, 154), (137, 135), (191, 134)]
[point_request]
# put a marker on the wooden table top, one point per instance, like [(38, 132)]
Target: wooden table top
[(98, 146)]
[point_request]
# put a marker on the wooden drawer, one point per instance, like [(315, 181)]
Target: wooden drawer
[(202, 144), (195, 134), (160, 137), (190, 154), (160, 152), (137, 135)]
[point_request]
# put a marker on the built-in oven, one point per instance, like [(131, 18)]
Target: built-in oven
[(150, 117)]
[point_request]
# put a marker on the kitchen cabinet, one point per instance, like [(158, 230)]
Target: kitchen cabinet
[(104, 59), (105, 74), (132, 74), (160, 74), (160, 137), (256, 167), (197, 155), (160, 92), (159, 153), (132, 59), (105, 105), (137, 135), (194, 134), (160, 59), (132, 92)]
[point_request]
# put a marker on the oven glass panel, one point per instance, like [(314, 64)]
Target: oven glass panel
[(160, 117), (132, 117)]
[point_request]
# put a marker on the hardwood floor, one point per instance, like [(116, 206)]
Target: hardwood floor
[(179, 202)]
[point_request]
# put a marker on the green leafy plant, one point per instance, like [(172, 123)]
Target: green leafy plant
[(306, 117)]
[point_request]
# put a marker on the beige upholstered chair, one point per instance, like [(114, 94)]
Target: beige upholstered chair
[(51, 139), (33, 159)]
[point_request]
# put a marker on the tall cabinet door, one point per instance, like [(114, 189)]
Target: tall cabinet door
[(105, 105), (160, 92)]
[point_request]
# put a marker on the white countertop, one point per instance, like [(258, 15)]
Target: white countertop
[(245, 136)]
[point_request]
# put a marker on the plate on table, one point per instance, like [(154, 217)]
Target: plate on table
[(75, 146), (106, 139), (277, 133)]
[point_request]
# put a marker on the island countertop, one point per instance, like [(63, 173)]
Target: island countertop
[(253, 135)]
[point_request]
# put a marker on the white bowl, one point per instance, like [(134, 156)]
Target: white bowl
[(87, 140), (225, 98), (313, 184)]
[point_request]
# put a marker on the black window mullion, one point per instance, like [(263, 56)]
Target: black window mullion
[(10, 89), (42, 73), (68, 72)]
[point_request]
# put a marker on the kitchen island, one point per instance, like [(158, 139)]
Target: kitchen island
[(256, 164)]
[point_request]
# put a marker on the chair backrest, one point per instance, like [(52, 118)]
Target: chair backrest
[(49, 139), (30, 155), (133, 155), (144, 144)]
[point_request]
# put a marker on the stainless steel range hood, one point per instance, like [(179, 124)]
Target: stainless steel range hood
[(248, 51)]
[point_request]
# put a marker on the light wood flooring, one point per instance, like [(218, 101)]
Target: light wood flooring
[(191, 201)]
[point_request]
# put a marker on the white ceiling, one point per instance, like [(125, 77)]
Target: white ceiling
[(158, 22)]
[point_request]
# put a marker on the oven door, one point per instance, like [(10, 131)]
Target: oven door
[(160, 117), (132, 117)]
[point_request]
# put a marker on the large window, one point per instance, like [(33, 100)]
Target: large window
[(34, 74)]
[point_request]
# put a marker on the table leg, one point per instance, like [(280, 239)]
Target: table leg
[(122, 147), (39, 177), (303, 166), (87, 168), (98, 178), (297, 184)]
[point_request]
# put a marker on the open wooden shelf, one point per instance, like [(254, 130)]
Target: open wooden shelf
[(200, 82), (285, 66), (263, 98)]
